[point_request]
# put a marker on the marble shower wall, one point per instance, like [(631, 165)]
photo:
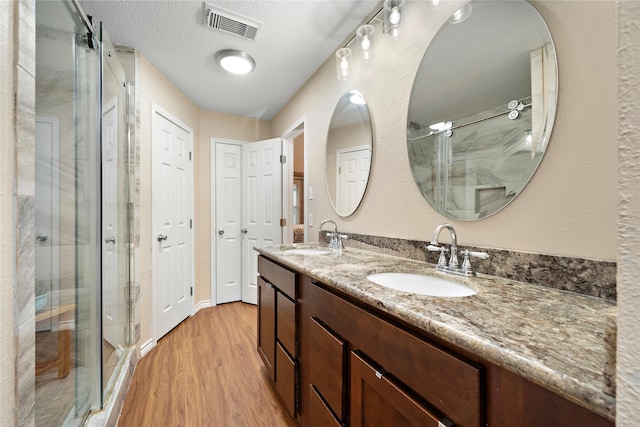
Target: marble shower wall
[(24, 291)]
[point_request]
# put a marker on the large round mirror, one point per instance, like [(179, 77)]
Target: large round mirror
[(348, 157), (482, 107)]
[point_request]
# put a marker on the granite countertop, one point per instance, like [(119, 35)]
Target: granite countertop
[(553, 338)]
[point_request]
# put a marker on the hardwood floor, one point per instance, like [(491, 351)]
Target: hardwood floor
[(206, 372)]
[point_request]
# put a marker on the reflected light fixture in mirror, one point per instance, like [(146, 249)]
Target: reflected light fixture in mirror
[(343, 63), (235, 61)]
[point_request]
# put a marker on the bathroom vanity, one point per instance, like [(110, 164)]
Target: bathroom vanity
[(344, 351)]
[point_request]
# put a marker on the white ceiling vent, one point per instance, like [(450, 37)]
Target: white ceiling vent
[(231, 23)]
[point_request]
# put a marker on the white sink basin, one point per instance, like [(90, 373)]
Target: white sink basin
[(421, 284), (307, 251)]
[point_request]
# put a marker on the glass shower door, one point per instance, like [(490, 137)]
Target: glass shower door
[(66, 248)]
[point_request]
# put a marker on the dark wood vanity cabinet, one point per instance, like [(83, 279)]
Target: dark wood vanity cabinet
[(337, 362), (278, 329), (361, 370)]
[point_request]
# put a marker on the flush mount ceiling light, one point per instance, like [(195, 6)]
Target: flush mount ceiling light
[(235, 61)]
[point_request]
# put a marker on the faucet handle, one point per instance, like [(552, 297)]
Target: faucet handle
[(481, 255), (442, 260)]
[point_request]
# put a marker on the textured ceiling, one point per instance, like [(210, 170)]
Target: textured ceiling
[(296, 38)]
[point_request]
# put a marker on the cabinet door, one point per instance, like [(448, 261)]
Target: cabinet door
[(286, 324), (267, 324), (286, 374), (319, 413), (377, 401)]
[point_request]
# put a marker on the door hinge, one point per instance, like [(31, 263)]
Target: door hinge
[(189, 155), (190, 224), (192, 291), (283, 222), (283, 158), (340, 170)]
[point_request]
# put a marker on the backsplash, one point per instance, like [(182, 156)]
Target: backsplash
[(583, 276)]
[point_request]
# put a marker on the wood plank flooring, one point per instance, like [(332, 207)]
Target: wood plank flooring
[(206, 372)]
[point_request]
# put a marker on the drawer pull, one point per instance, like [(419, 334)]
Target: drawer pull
[(380, 375), (446, 422)]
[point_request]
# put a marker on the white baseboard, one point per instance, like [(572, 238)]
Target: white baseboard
[(202, 304), (147, 347)]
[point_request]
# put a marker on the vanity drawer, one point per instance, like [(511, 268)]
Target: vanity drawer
[(446, 381), (286, 379), (282, 278), (287, 323), (327, 365), (319, 414)]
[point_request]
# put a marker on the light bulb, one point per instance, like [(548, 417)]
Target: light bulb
[(366, 43), (344, 64), (394, 16)]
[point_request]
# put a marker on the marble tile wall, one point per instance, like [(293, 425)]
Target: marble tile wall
[(584, 276), (24, 292)]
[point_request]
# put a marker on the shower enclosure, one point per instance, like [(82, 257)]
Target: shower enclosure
[(82, 221)]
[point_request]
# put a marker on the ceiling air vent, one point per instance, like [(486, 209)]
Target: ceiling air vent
[(231, 23)]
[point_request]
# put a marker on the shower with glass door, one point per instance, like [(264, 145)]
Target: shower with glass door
[(82, 218)]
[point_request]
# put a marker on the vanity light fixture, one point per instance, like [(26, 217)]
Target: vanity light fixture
[(364, 33), (461, 14), (235, 61), (343, 63), (393, 17)]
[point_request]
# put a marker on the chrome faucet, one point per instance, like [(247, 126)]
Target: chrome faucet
[(453, 266), (335, 238), (453, 259)]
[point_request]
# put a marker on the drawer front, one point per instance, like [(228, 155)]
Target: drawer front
[(449, 383), (378, 400), (319, 414), (287, 315), (286, 379), (282, 278), (327, 366)]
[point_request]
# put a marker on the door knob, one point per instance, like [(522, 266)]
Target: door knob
[(162, 237), (221, 232), (244, 231), (111, 239), (42, 237)]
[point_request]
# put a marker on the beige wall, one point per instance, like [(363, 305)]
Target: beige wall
[(570, 206), (222, 126), (628, 376), (155, 88)]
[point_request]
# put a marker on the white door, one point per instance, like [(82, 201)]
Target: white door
[(353, 173), (261, 207), (172, 194), (47, 216), (228, 231), (110, 222)]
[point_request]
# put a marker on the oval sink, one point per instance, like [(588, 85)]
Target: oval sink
[(421, 284), (307, 251)]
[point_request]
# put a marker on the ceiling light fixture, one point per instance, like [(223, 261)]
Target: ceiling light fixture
[(235, 61)]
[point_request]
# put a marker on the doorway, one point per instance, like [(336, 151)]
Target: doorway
[(295, 206)]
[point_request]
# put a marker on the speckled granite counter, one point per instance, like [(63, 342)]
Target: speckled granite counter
[(553, 338)]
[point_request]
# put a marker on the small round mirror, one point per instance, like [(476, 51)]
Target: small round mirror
[(482, 107), (348, 156)]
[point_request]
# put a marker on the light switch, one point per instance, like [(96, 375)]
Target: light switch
[(310, 193), (310, 220)]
